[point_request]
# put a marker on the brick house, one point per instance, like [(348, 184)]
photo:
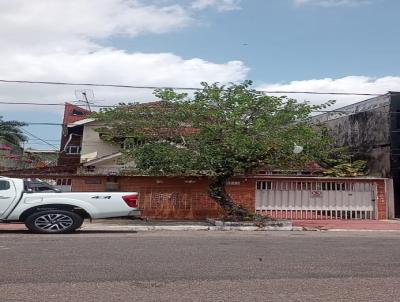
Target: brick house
[(95, 166)]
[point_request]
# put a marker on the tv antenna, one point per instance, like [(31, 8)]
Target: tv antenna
[(85, 96)]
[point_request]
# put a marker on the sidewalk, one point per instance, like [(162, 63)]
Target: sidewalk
[(5, 227), (348, 225), (180, 225), (295, 225), (169, 225)]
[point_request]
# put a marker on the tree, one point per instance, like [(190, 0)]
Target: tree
[(341, 162), (219, 131), (10, 132)]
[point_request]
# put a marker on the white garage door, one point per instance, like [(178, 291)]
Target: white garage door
[(316, 199)]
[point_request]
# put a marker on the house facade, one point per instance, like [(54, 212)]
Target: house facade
[(102, 168), (99, 166)]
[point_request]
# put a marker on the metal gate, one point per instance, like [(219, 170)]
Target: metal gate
[(293, 199)]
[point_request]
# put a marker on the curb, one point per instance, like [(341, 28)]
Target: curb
[(361, 230), (310, 229), (184, 228), (135, 228)]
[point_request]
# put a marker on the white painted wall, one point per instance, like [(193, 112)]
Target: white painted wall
[(92, 146)]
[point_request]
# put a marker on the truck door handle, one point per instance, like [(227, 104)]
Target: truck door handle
[(4, 197)]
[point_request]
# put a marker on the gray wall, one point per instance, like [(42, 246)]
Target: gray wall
[(365, 128)]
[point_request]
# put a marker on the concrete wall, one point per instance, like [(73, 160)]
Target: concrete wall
[(365, 128), (92, 146)]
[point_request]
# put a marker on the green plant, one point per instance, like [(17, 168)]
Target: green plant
[(219, 131)]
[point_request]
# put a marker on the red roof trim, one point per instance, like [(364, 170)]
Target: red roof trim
[(5, 147), (69, 117)]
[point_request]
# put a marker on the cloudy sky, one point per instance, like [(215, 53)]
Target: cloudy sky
[(301, 45)]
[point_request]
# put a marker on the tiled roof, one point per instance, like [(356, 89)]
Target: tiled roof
[(5, 147), (70, 117)]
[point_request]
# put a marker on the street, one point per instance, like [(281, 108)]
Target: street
[(200, 266)]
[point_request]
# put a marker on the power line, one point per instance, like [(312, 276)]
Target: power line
[(43, 124), (48, 140), (114, 106), (175, 88), (33, 135), (32, 103), (322, 93), (50, 104)]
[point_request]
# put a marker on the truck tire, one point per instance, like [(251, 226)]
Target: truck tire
[(53, 222)]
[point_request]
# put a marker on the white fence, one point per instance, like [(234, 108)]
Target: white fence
[(316, 199)]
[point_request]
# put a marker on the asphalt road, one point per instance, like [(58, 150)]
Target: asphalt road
[(200, 266)]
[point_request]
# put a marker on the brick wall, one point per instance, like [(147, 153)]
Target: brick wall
[(88, 184), (382, 205), (186, 198), (173, 197)]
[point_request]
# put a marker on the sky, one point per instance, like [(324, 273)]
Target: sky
[(285, 45)]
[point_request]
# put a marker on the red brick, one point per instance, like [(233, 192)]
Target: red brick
[(187, 198)]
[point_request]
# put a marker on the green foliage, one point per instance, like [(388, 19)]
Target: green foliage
[(219, 130), (10, 132), (353, 169), (340, 162), (162, 158)]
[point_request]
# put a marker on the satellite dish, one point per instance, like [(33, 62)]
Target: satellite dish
[(297, 149), (85, 96)]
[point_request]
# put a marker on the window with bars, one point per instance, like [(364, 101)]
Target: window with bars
[(64, 181), (73, 150)]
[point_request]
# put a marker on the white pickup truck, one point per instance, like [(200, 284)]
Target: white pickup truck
[(60, 212)]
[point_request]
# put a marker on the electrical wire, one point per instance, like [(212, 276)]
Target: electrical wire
[(175, 88), (35, 136), (42, 124), (115, 106), (46, 139)]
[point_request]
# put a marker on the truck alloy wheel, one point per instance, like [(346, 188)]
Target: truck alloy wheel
[(54, 221)]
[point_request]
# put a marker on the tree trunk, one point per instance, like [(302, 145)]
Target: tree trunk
[(217, 191)]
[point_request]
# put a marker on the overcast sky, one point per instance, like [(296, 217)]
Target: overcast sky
[(306, 45)]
